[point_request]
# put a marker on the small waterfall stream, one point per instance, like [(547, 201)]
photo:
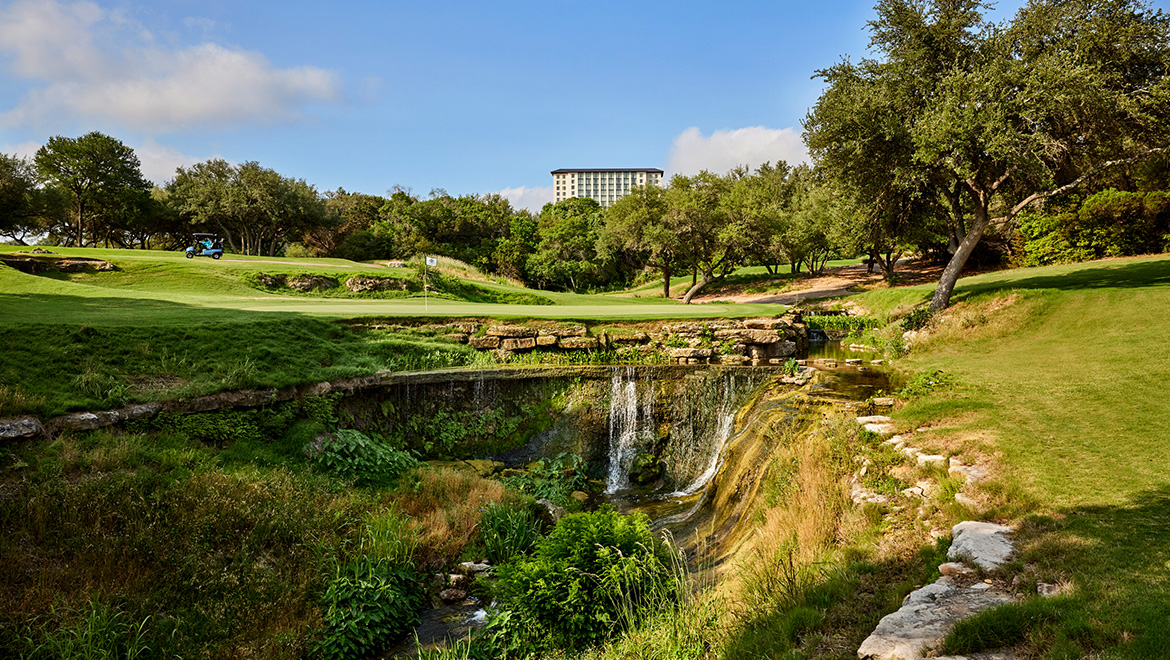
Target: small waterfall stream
[(631, 424)]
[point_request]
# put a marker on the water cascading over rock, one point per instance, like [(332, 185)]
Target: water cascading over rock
[(683, 423)]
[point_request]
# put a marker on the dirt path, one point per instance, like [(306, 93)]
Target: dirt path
[(835, 283)]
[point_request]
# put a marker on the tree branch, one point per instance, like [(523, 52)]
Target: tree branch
[(1083, 178)]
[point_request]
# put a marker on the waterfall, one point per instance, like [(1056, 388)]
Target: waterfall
[(724, 425), (630, 422)]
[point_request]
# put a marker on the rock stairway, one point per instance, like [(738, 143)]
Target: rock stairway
[(927, 615)]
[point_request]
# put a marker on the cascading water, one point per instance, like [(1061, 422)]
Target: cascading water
[(724, 425), (630, 424)]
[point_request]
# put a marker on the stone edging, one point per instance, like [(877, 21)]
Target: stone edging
[(29, 426)]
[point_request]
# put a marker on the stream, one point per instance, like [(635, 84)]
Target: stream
[(708, 430)]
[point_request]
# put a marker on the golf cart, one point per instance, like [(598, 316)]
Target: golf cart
[(205, 245)]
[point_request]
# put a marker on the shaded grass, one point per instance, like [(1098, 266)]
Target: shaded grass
[(56, 368), (1062, 374)]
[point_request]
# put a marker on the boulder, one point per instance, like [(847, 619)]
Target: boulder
[(518, 343), (985, 544), (457, 336), (767, 323), (931, 460), (884, 401), (689, 352), (484, 343), (925, 617), (474, 568), (564, 331), (549, 513), (452, 595), (637, 337), (510, 331), (546, 340), (578, 343), (311, 283), (20, 427)]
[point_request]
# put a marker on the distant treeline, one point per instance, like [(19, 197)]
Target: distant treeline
[(89, 191)]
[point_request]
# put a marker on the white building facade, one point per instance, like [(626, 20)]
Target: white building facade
[(603, 186)]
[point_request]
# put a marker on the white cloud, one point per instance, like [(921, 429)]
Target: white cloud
[(159, 162), (532, 198), (22, 150), (723, 150), (94, 64)]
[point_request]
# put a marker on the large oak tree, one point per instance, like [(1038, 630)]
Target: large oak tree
[(981, 120)]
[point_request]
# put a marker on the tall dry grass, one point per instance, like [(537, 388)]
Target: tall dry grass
[(444, 507)]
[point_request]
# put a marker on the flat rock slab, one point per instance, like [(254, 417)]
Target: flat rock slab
[(925, 618), (987, 545)]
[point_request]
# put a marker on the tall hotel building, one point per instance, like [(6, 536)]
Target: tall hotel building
[(603, 186)]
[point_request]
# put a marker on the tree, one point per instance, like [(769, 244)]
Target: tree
[(639, 223), (254, 207), (566, 255), (712, 233), (24, 206), (984, 120), (98, 172)]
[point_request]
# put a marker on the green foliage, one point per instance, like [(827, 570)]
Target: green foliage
[(594, 575), (448, 433), (353, 456), (552, 479), (791, 367), (96, 631), (222, 427), (368, 605), (841, 322), (1109, 223), (926, 382), (508, 531), (917, 319)]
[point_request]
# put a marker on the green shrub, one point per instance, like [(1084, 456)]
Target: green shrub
[(917, 319), (924, 383), (508, 531), (369, 604), (552, 479), (841, 323), (354, 457), (595, 575)]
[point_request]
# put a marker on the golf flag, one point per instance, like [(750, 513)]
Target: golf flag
[(431, 261)]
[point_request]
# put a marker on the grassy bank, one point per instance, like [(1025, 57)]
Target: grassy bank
[(1060, 379)]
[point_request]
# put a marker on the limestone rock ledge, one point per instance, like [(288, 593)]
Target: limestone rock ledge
[(929, 613), (926, 617)]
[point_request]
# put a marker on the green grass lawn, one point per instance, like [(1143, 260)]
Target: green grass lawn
[(160, 288), (162, 326), (1066, 387)]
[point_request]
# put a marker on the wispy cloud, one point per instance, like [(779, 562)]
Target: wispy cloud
[(158, 162), (725, 149), (89, 63), (532, 198)]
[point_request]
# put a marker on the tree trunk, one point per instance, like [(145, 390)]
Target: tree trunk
[(80, 222), (950, 275), (698, 286), (666, 272)]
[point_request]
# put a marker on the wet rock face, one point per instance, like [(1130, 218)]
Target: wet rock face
[(646, 469)]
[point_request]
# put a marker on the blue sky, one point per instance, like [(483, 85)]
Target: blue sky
[(471, 97)]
